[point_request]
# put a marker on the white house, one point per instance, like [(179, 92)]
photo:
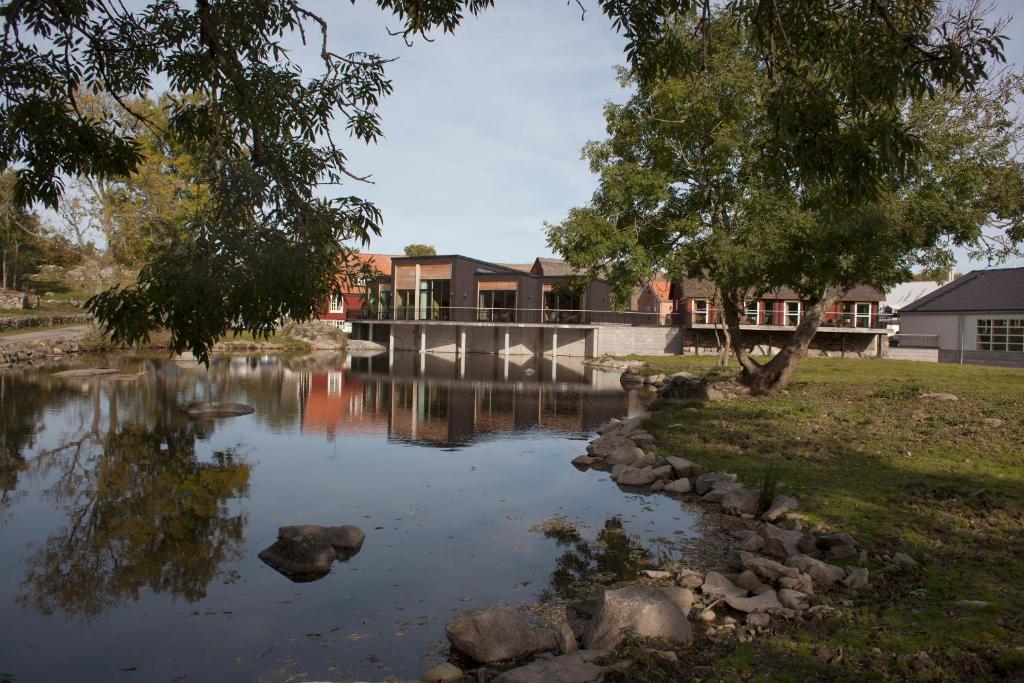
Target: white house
[(978, 318)]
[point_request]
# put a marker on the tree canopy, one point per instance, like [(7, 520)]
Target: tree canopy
[(689, 181), (420, 250)]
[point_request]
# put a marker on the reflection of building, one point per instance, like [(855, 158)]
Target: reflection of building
[(437, 400)]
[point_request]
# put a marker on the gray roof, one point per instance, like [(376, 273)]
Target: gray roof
[(999, 289), (525, 267), (557, 267)]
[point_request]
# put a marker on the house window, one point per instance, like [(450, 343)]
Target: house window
[(700, 311), (497, 306), (752, 312), (995, 334), (337, 304), (863, 315), (793, 311), (405, 308), (563, 307)]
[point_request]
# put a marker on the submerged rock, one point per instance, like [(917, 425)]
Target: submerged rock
[(87, 372), (345, 537), (208, 409), (650, 612), (302, 558), (576, 667)]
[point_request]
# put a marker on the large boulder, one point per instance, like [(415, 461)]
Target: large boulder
[(300, 558), (576, 667), (679, 486), (780, 543), (718, 586), (442, 673), (489, 636), (763, 602), (683, 388), (650, 612), (345, 539)]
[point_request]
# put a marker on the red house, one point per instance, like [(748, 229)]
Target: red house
[(353, 300)]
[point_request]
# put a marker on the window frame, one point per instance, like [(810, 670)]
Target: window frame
[(799, 312), (336, 303), (696, 312)]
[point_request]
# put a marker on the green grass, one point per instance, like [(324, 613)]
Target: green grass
[(853, 440), (243, 340), (41, 328)]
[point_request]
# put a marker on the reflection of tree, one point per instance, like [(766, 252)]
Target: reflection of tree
[(143, 513), (613, 556)]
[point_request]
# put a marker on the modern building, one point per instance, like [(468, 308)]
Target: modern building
[(901, 296), (338, 309), (977, 318), (851, 326)]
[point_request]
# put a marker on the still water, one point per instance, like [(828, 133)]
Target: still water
[(129, 534)]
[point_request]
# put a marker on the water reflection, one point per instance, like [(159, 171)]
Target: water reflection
[(141, 512), (612, 556)]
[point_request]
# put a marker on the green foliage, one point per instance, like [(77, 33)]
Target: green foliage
[(265, 243), (767, 490), (420, 250)]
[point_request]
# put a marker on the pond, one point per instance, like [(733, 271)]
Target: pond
[(130, 534)]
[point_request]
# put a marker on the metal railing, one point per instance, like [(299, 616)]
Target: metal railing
[(914, 341), (714, 316)]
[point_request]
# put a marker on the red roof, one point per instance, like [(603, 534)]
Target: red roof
[(661, 288), (380, 263)]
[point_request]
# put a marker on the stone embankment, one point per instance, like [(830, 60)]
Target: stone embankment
[(29, 352), (19, 322)]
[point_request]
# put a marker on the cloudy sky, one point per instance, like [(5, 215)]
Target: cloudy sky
[(484, 128)]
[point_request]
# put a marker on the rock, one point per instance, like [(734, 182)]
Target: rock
[(690, 579), (762, 602), (545, 640), (828, 541), (583, 461), (614, 444), (939, 396), (780, 543), (566, 639), (842, 552), (792, 599), (856, 577), (681, 388), (717, 494), (991, 422), (642, 438), (753, 544), (802, 582), (576, 667), (634, 456), (300, 558), (442, 673), (780, 506), (707, 616), (749, 582), (682, 597), (207, 409), (634, 423), (684, 468), (630, 377), (904, 560), (766, 568), (741, 502), (679, 486), (489, 636), (644, 459), (718, 586), (633, 476), (822, 573), (706, 482), (657, 574), (611, 427), (664, 472), (665, 655), (658, 485), (345, 537), (758, 619), (649, 611), (655, 379)]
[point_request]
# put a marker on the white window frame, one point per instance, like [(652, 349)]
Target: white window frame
[(857, 315), (1003, 334), (799, 312), (337, 304), (756, 317), (696, 313)]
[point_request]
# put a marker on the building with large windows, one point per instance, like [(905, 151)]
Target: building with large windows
[(977, 318)]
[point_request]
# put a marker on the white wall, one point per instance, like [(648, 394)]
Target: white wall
[(946, 325)]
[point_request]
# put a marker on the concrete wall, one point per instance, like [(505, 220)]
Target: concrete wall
[(927, 355), (522, 341), (1002, 359), (622, 340), (945, 325)]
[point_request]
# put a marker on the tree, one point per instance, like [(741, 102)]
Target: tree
[(22, 240), (690, 182), (420, 250), (265, 244)]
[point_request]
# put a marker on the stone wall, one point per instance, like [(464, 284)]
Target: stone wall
[(12, 299), (29, 352), (907, 353), (30, 321), (623, 340)]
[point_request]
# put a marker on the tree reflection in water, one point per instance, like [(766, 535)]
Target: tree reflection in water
[(611, 557), (142, 513)]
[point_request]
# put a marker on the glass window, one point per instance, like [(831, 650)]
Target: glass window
[(337, 304), (793, 310), (863, 315), (700, 311), (497, 305), (562, 307), (435, 300), (752, 311), (334, 382), (995, 334), (405, 308)]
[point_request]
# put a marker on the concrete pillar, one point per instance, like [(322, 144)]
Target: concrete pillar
[(423, 338), (554, 342), (462, 366), (506, 345), (370, 333), (462, 342), (596, 344), (391, 338)]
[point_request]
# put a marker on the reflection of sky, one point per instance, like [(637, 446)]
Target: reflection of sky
[(446, 529)]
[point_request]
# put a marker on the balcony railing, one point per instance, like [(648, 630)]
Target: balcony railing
[(715, 316)]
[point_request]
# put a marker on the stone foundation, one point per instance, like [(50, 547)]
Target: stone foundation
[(12, 299)]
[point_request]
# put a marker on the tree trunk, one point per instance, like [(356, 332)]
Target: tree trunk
[(774, 376)]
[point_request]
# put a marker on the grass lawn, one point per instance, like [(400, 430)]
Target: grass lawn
[(865, 454)]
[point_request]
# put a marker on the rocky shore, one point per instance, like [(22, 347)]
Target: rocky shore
[(781, 573)]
